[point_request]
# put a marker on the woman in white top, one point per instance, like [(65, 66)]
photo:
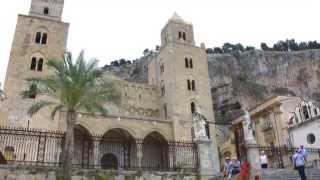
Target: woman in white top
[(263, 160)]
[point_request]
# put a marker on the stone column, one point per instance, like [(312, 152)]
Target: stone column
[(96, 153), (253, 154), (139, 153), (209, 165)]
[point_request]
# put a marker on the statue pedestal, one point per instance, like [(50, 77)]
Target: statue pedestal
[(209, 165), (253, 156)]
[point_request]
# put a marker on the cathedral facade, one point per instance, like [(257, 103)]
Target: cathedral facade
[(178, 82)]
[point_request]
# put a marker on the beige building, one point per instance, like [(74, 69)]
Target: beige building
[(272, 122), (160, 110)]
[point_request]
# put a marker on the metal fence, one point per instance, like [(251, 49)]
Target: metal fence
[(281, 157), (25, 147)]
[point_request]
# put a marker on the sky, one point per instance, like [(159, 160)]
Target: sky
[(114, 29)]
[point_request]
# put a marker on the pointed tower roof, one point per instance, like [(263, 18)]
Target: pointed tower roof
[(176, 18)]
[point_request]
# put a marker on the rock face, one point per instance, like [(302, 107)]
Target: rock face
[(136, 72), (249, 78)]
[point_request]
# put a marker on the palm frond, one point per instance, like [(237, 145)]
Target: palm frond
[(74, 85), (55, 110)]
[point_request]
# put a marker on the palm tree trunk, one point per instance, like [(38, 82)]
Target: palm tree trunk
[(69, 146)]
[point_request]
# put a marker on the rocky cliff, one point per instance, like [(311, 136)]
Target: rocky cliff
[(245, 80)]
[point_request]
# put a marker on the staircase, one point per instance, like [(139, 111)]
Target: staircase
[(288, 174)]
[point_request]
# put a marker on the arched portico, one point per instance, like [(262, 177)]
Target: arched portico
[(155, 152), (118, 144), (83, 147)]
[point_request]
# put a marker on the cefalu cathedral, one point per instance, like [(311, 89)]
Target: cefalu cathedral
[(178, 85)]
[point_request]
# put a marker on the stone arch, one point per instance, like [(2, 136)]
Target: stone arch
[(125, 128), (120, 146), (86, 126), (157, 130), (9, 154), (83, 147), (155, 152)]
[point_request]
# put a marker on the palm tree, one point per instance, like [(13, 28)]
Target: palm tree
[(72, 87)]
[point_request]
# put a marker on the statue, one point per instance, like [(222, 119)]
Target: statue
[(199, 125), (248, 128)]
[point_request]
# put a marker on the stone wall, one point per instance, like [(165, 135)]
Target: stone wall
[(47, 174)]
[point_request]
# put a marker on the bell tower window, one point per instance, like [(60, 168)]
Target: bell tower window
[(193, 85), (33, 63), (186, 62), (41, 38), (180, 35), (40, 64), (189, 84), (184, 36), (46, 11), (38, 38), (44, 38), (191, 64), (165, 110), (193, 107)]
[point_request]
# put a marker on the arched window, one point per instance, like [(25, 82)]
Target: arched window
[(193, 107), (38, 38), (191, 63), (305, 112), (189, 84), (9, 153), (40, 64), (46, 11), (193, 85), (33, 63), (162, 68), (165, 110), (180, 35), (184, 36), (44, 38), (186, 62)]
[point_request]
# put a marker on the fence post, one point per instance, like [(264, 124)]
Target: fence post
[(42, 140)]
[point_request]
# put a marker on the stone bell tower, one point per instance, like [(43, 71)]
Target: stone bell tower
[(180, 71), (39, 36)]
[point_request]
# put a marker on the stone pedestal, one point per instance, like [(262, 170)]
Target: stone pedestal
[(209, 165), (253, 156)]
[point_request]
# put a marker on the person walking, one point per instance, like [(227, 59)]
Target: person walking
[(299, 160), (263, 160), (235, 167)]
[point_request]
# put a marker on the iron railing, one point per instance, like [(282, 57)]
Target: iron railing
[(25, 147), (281, 157)]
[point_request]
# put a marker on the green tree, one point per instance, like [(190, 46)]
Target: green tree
[(73, 88), (264, 47)]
